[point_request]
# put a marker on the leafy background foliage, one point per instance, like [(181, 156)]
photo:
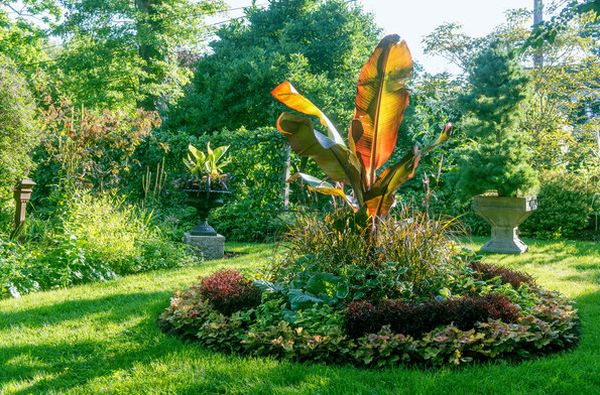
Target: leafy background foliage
[(19, 131), (283, 42)]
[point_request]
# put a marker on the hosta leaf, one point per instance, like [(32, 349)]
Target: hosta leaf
[(298, 298), (318, 282), (288, 95), (267, 286), (381, 100)]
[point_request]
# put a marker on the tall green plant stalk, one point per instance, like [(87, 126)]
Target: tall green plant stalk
[(154, 189)]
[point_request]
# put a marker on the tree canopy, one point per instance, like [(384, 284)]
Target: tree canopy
[(118, 53), (18, 130), (318, 45)]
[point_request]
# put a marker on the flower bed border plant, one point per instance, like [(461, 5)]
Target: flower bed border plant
[(319, 332)]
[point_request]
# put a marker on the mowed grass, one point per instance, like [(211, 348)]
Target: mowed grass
[(103, 338)]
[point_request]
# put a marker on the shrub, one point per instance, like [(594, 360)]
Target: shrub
[(416, 319), (85, 148), (487, 271), (228, 291), (564, 206), (361, 317), (87, 239)]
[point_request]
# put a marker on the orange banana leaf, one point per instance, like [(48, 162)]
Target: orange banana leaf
[(288, 95), (381, 197), (381, 100)]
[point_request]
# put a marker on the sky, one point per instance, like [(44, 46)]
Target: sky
[(413, 19)]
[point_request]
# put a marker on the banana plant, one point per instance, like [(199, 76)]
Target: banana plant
[(381, 100)]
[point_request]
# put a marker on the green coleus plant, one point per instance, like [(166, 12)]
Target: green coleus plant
[(207, 167), (381, 100)]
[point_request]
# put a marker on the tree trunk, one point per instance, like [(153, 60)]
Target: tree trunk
[(286, 175), (538, 18), (146, 51)]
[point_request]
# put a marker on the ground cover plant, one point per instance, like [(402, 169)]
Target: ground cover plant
[(359, 286)]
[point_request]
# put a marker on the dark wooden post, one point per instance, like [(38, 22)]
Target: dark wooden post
[(22, 196)]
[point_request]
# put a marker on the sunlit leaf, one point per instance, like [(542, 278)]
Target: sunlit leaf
[(381, 100), (336, 160), (381, 197), (323, 187), (219, 152), (288, 95)]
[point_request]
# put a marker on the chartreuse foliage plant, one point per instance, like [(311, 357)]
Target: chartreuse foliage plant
[(90, 238), (199, 163), (381, 100), (403, 291), (207, 167)]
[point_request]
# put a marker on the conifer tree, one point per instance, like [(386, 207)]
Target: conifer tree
[(497, 158)]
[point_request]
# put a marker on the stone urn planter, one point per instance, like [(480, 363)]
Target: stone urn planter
[(504, 214), (203, 236)]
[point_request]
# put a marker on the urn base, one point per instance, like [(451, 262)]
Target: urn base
[(209, 247)]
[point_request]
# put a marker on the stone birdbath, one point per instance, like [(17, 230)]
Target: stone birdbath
[(504, 214)]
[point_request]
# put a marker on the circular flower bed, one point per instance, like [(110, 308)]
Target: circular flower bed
[(391, 305)]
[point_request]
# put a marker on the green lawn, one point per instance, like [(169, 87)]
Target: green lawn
[(103, 338)]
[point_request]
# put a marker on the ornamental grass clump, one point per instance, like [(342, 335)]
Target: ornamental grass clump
[(412, 257)]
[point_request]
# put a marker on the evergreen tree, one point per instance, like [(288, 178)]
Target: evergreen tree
[(497, 157)]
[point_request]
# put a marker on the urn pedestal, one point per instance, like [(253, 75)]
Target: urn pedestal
[(504, 214), (209, 247), (203, 237)]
